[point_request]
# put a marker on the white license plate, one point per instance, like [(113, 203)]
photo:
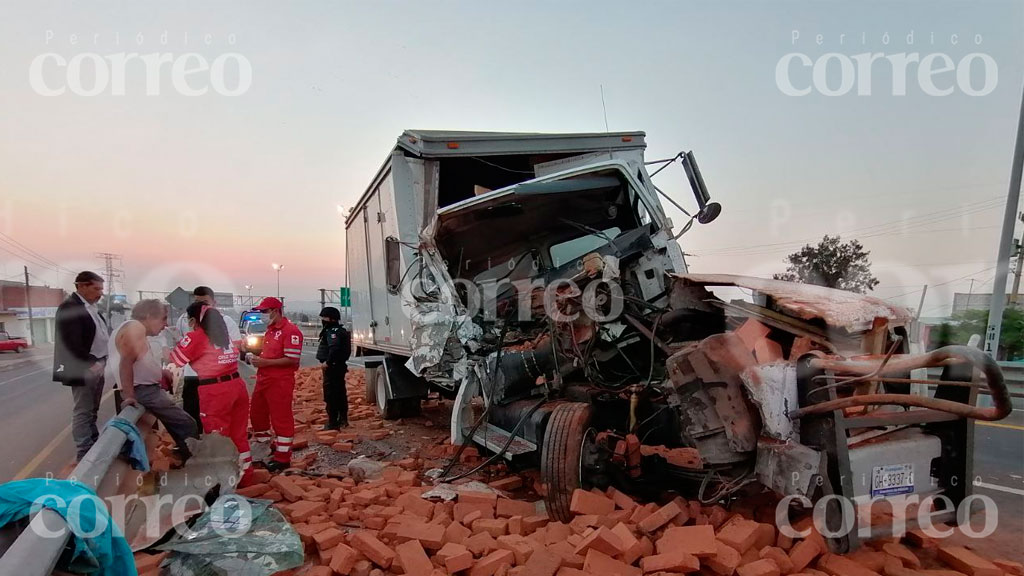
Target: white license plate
[(892, 480)]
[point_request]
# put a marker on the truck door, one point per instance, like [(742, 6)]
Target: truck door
[(380, 323)]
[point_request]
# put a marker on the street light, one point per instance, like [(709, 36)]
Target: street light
[(278, 267), (248, 289)]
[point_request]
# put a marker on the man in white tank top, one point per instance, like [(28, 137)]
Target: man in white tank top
[(135, 366)]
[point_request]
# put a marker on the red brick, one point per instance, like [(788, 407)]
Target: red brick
[(429, 536), (317, 571), (476, 497), (725, 561), (456, 560), (803, 553), (759, 568), (287, 488), (622, 500), (962, 559), (868, 558), (663, 516), (481, 544), (694, 540), (520, 547), (456, 533), (632, 549), (542, 563), (557, 532), (507, 508), (373, 549), (584, 502), (253, 491), (489, 565), (779, 556), (343, 559), (604, 565), (363, 567), (567, 571), (303, 510), (414, 560), (496, 527), (413, 504), (841, 566), (515, 525), (677, 561), (603, 540), (739, 533), (463, 508), (565, 551), (260, 475), (902, 553), (1011, 568), (507, 484), (328, 539)]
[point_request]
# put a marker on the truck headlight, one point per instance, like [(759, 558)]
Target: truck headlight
[(252, 341)]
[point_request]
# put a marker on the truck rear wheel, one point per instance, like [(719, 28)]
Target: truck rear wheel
[(561, 456)]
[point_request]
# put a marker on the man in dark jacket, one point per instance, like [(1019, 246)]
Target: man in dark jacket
[(80, 356), (332, 353)]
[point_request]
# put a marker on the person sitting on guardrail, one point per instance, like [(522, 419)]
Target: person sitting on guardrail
[(223, 397), (135, 368)]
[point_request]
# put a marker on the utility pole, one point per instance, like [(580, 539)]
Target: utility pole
[(1020, 265), (323, 298), (970, 292), (28, 304), (112, 266), (995, 313)]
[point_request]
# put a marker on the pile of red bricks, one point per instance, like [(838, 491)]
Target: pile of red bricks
[(378, 527)]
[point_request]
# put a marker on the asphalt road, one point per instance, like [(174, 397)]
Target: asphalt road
[(35, 416)]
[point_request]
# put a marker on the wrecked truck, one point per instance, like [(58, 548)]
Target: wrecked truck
[(536, 280)]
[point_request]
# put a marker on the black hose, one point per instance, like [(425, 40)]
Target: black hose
[(501, 452)]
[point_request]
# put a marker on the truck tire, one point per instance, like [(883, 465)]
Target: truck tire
[(371, 384), (411, 407), (560, 456), (389, 408)]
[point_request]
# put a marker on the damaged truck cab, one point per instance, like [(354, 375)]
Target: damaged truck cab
[(536, 279)]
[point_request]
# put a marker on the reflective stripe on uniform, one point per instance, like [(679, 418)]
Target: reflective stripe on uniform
[(285, 448), (284, 440)]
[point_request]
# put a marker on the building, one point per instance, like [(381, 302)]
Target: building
[(979, 301), (14, 310)]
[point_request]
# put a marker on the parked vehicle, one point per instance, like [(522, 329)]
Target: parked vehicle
[(253, 329), (12, 344), (536, 279)]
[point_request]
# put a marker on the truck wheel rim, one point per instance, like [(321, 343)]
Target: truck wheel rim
[(382, 393)]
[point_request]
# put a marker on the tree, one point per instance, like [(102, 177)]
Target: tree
[(968, 322), (832, 263)]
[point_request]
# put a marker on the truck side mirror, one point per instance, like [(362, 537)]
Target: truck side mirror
[(708, 210)]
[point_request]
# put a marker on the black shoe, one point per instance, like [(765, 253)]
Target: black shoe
[(343, 424), (330, 426), (273, 466)]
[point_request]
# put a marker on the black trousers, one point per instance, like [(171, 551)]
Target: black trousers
[(190, 399), (335, 395)]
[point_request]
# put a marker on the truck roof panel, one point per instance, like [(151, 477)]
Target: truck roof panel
[(439, 143)]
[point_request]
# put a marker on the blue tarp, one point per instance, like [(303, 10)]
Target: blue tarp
[(100, 548)]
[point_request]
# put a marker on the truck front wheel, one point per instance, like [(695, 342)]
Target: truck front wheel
[(561, 456)]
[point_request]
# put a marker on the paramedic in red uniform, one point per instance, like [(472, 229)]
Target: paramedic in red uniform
[(275, 382), (223, 397)]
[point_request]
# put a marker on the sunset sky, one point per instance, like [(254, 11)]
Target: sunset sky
[(214, 188)]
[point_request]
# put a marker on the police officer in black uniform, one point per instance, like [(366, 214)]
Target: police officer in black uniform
[(332, 353)]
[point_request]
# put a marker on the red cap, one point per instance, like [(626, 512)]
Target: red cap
[(269, 303)]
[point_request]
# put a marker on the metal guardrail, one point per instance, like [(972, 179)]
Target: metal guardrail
[(34, 554), (1013, 376)]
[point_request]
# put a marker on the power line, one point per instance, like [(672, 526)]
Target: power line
[(32, 252), (894, 226)]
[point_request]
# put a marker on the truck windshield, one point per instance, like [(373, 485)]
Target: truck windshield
[(570, 250)]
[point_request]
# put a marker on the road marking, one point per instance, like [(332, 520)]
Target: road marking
[(45, 453), (1000, 425), (23, 376), (998, 488)]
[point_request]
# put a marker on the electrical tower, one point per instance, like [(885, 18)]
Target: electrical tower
[(113, 268)]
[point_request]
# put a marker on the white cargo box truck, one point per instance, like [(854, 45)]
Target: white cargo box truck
[(427, 181)]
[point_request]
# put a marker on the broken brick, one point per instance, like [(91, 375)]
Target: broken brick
[(739, 533), (507, 508), (598, 563), (677, 561), (588, 503), (542, 563), (962, 559), (414, 560), (603, 540), (328, 539), (760, 568), (694, 540), (725, 561), (343, 559), (507, 484), (374, 549), (663, 516), (490, 564)]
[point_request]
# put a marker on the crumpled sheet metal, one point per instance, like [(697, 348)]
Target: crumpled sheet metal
[(773, 389), (837, 308), (788, 468)]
